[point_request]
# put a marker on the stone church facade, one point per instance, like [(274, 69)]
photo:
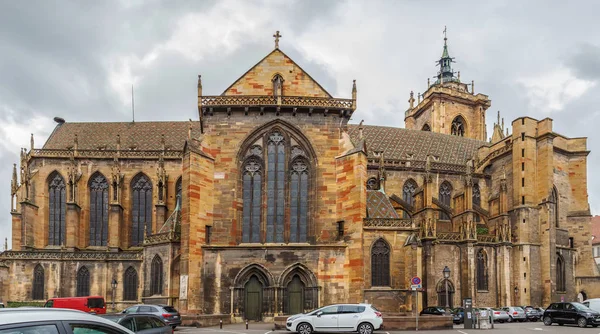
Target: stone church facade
[(271, 203)]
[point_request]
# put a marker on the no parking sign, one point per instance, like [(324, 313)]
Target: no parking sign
[(415, 283)]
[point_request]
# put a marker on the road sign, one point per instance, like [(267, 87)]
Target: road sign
[(415, 280), (415, 286)]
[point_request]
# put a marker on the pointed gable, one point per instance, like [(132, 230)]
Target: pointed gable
[(259, 79)]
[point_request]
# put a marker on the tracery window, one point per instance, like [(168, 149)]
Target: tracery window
[(178, 189), (98, 210), (380, 264), (83, 282), (372, 184), (477, 200), (141, 208), (38, 283), (554, 199), (458, 127), (426, 127), (444, 197), (272, 178), (57, 210), (410, 186), (560, 274), (482, 270), (130, 284), (156, 276)]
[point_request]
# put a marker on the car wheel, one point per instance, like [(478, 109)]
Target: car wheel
[(304, 328), (582, 322), (365, 328), (547, 321), (594, 326), (561, 324), (510, 319)]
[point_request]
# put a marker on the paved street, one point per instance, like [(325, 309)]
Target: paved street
[(526, 327)]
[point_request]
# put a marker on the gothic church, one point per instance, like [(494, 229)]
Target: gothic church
[(270, 203)]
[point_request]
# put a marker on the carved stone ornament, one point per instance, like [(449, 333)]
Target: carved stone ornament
[(255, 150), (297, 151), (276, 138), (299, 166), (252, 166)]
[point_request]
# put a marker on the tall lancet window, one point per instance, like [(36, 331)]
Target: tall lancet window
[(57, 209), (83, 282), (444, 197), (38, 283), (477, 200), (380, 263), (277, 85), (141, 208), (299, 201), (275, 187), (98, 210), (458, 127), (252, 195), (410, 186)]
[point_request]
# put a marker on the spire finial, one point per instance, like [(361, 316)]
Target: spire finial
[(31, 149), (445, 37), (277, 36), (498, 117), (411, 100)]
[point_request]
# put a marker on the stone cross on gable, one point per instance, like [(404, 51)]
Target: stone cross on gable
[(277, 35)]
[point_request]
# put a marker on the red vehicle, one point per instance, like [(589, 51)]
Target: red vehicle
[(90, 304)]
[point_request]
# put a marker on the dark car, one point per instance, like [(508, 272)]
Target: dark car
[(140, 323), (532, 313), (168, 313), (458, 315), (571, 313), (433, 310)]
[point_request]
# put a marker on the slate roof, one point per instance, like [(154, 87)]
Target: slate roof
[(399, 143), (141, 135), (379, 205)]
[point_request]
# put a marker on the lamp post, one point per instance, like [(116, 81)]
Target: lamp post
[(446, 273), (113, 284)]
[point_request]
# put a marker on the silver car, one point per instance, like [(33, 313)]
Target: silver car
[(499, 314), (140, 323), (55, 321), (168, 313), (362, 318), (515, 313)]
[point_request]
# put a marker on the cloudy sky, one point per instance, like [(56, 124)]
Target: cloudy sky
[(78, 60)]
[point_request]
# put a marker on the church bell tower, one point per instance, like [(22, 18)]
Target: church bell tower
[(448, 106)]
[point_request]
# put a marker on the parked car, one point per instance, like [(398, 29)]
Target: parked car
[(168, 313), (140, 323), (593, 303), (498, 314), (55, 321), (571, 313), (363, 318), (89, 304), (515, 313), (433, 310), (532, 313), (458, 315)]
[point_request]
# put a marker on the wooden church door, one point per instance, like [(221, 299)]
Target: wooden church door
[(295, 294), (253, 306)]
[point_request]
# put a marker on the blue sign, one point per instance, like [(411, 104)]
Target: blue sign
[(415, 280)]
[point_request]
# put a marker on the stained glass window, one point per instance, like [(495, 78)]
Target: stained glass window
[(141, 208), (410, 186), (380, 264), (252, 195), (275, 187), (130, 284), (444, 198), (482, 270), (57, 210), (83, 282), (560, 274), (477, 199), (98, 210), (156, 276), (458, 127), (372, 184), (38, 283), (299, 201)]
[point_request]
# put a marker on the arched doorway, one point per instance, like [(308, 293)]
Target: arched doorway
[(295, 294), (253, 299), (445, 288)]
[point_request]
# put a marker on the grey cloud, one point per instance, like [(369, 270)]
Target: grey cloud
[(586, 62)]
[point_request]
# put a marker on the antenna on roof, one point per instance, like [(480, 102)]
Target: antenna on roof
[(132, 104)]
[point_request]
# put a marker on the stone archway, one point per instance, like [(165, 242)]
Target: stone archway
[(253, 299), (445, 289), (253, 293), (298, 290)]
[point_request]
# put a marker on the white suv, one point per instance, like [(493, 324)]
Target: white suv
[(362, 318)]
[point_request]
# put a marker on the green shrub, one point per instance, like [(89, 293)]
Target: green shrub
[(483, 230), (25, 304)]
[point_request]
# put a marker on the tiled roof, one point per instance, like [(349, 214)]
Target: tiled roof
[(399, 143), (596, 230), (379, 205), (141, 135)]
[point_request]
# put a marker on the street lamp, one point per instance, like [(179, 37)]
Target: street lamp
[(446, 273), (113, 284)]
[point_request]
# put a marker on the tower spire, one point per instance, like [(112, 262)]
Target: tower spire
[(445, 74)]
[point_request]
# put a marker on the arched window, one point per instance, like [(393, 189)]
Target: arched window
[(276, 176), (482, 270), (141, 208), (444, 197), (426, 127), (458, 127), (380, 264), (178, 189), (445, 291), (372, 183), (98, 210), (130, 284), (83, 282), (38, 283), (56, 210), (407, 193), (252, 195), (156, 276), (477, 200), (554, 199), (560, 274), (277, 85), (299, 201)]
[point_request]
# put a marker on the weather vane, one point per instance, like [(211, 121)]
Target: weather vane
[(277, 35)]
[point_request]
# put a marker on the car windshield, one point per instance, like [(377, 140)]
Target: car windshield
[(170, 309), (518, 309), (113, 318), (581, 307)]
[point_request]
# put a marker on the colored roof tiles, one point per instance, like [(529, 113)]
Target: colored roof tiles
[(379, 205)]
